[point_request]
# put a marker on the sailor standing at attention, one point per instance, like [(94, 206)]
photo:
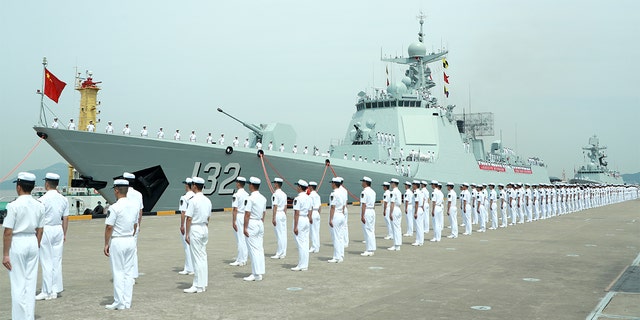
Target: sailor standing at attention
[(237, 221), (281, 147), (336, 220), (314, 232), (221, 139), (481, 209), (368, 216), (465, 205), (246, 143), (91, 127), (198, 214), (144, 132), (503, 205), (528, 202), (126, 130), (160, 134), (418, 213), (55, 124), (184, 204), (209, 139), (270, 146), (301, 221), (56, 221), (136, 197), (71, 125), (176, 136), (386, 196), (109, 128), (408, 208), (192, 136), (452, 210), (437, 199), (295, 149), (119, 245), (395, 215), (345, 227), (474, 202), (22, 234), (235, 142), (255, 208), (425, 208), (279, 218), (493, 206)]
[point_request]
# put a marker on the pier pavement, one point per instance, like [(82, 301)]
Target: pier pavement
[(559, 268)]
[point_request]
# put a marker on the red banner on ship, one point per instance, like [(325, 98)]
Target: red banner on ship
[(52, 86)]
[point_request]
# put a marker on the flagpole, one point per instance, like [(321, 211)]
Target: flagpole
[(43, 118)]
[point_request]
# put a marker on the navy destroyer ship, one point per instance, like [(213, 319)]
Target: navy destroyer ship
[(400, 131), (595, 170)]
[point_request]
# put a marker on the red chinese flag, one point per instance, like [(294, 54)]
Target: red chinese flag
[(52, 86), (446, 77)]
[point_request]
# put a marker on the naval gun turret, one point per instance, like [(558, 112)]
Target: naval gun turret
[(275, 133)]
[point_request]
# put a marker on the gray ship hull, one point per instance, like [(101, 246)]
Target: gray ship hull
[(105, 156)]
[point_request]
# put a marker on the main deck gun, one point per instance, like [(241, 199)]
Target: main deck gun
[(255, 129)]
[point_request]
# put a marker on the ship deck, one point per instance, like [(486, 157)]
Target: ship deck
[(558, 268)]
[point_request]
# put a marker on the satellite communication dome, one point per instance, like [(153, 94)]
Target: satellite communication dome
[(406, 81), (396, 89), (417, 49)]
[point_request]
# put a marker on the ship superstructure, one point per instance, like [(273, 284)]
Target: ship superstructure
[(595, 170)]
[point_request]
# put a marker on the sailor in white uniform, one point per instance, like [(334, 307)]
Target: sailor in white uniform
[(437, 200), (246, 143), (294, 149), (301, 221), (345, 195), (176, 136), (465, 205), (503, 205), (55, 124), (119, 245), (452, 210), (192, 136), (209, 139), (198, 214), (386, 196), (259, 144), (270, 146), (126, 130), (22, 234), (235, 142), (528, 202), (409, 210), (281, 147), (337, 204), (279, 218), (144, 132), (91, 127), (237, 221), (395, 215), (71, 125), (368, 216), (183, 205), (160, 134), (481, 209), (493, 206), (425, 208), (314, 232), (255, 207), (221, 140), (418, 212), (136, 197), (474, 203), (56, 221), (109, 128)]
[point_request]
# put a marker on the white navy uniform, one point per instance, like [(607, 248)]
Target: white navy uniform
[(56, 207), (368, 201), (437, 199), (386, 198), (256, 205), (109, 129), (337, 201), (184, 204), (418, 215), (503, 207), (315, 226), (493, 207), (528, 203), (345, 227), (136, 197), (466, 211), (452, 198), (160, 134), (427, 215), (55, 124), (123, 217), (144, 132), (409, 202), (71, 125), (279, 198), (192, 137), (396, 216), (302, 204), (482, 211), (126, 131), (199, 211), (238, 201), (24, 216), (91, 127)]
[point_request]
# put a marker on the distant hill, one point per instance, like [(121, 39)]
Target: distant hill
[(59, 168), (633, 178)]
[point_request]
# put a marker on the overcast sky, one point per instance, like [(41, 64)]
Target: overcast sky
[(553, 72)]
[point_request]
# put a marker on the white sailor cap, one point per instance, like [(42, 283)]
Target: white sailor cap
[(52, 176), (365, 178), (386, 184), (341, 179), (313, 183), (26, 177), (394, 180), (279, 180), (302, 183), (188, 181), (241, 179), (197, 180), (484, 185), (128, 175), (407, 183), (492, 184), (336, 180), (434, 182), (439, 184), (450, 184), (120, 183), (254, 180), (527, 185), (500, 184), (415, 182), (466, 184), (424, 182), (478, 185)]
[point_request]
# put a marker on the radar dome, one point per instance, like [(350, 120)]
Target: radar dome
[(417, 49), (406, 81), (396, 88)]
